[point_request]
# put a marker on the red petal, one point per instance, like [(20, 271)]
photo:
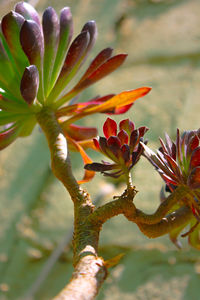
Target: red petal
[(110, 128)]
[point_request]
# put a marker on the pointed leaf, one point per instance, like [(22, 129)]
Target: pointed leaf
[(29, 84), (51, 30), (193, 142), (125, 153), (88, 144), (167, 179), (90, 27), (173, 235), (104, 55), (79, 133), (194, 178), (11, 25), (109, 128), (103, 70), (96, 143), (123, 136), (27, 11), (8, 136), (119, 100), (98, 167), (114, 145), (173, 165), (119, 110), (86, 160), (159, 164), (65, 36), (72, 62), (9, 80), (127, 125), (195, 158), (171, 147), (134, 139), (136, 155), (7, 117), (33, 45), (142, 130)]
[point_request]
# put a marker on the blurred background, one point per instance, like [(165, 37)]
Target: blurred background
[(162, 38)]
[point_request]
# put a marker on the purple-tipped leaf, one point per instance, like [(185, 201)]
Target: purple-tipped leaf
[(91, 27), (72, 62), (98, 167), (104, 55), (11, 25), (27, 11), (103, 70), (29, 84), (33, 45), (51, 30), (65, 36)]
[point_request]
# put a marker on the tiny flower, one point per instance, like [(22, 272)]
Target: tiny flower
[(178, 163), (41, 60), (122, 147)]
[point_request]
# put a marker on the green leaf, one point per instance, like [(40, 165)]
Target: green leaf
[(50, 23), (66, 32), (11, 25)]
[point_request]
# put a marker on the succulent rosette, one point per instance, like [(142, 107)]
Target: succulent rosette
[(122, 147), (38, 60), (178, 163)]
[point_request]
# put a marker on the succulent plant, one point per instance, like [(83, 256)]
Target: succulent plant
[(38, 60), (178, 163), (123, 148)]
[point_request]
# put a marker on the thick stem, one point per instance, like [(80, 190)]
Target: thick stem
[(60, 161), (167, 224), (90, 270)]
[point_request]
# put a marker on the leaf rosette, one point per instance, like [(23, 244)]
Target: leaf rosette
[(38, 61)]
